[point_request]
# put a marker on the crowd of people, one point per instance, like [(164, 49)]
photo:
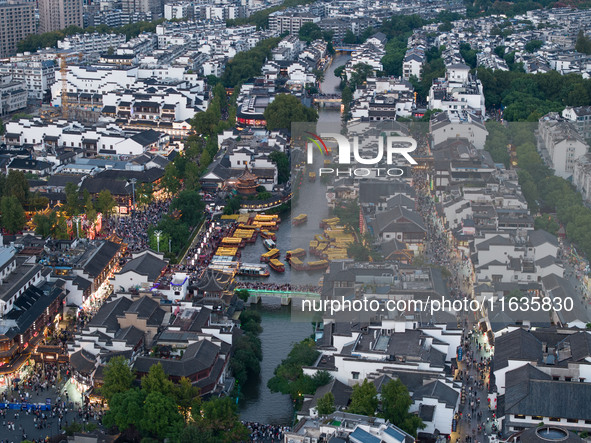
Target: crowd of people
[(278, 287), (477, 415), (203, 249), (438, 248), (134, 228), (260, 432), (38, 405)]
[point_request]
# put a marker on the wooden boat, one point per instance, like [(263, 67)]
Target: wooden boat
[(276, 265), (312, 177), (267, 256), (253, 270), (267, 218), (297, 264), (325, 223), (269, 244), (233, 242), (299, 253), (268, 234), (300, 219), (317, 265)]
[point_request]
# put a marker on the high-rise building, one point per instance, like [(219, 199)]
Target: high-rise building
[(59, 14), (17, 21), (151, 8)]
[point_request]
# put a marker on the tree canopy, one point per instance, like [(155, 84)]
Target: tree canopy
[(364, 400), (286, 109), (310, 31), (527, 97), (396, 402)]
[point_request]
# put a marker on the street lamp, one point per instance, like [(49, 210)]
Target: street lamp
[(158, 234), (77, 219), (133, 181)]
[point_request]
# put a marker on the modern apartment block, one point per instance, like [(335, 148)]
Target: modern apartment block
[(59, 14), (152, 8), (17, 21), (281, 21)]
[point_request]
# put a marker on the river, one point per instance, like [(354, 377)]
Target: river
[(279, 332)]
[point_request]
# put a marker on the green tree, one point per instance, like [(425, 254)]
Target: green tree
[(350, 38), (220, 418), (358, 252), (161, 418), (360, 73), (289, 377), (118, 377), (248, 64), (310, 31), (285, 110), (196, 434), (17, 186), (250, 321), (192, 176), (533, 45), (105, 202), (171, 180), (396, 402), (326, 404), (190, 205), (282, 162), (43, 224), (245, 363), (364, 400), (187, 398), (72, 199), (125, 409), (12, 214), (232, 205), (583, 44), (144, 194), (89, 207), (157, 381), (445, 27)]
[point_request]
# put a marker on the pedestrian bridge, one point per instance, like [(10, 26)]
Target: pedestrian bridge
[(332, 100), (345, 48), (286, 296)]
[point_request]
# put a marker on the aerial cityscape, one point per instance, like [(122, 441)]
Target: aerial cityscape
[(295, 221)]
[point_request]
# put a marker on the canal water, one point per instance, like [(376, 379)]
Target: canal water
[(259, 404)]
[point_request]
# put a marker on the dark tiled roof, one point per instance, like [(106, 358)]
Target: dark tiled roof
[(146, 307), (439, 391), (30, 305), (146, 138), (82, 361), (106, 317), (516, 345), (147, 264), (26, 163), (197, 357), (100, 258), (549, 398)]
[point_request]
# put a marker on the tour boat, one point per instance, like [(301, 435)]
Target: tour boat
[(299, 253), (268, 234), (317, 265), (253, 270), (269, 244), (297, 264), (300, 219), (312, 177), (273, 253), (276, 265)]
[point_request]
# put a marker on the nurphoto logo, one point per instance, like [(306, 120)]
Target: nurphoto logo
[(390, 147)]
